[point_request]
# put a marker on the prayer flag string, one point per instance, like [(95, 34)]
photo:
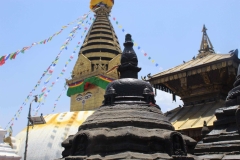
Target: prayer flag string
[(13, 55), (45, 92), (136, 45), (56, 101), (49, 70)]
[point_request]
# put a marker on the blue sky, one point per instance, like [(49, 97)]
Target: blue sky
[(169, 31)]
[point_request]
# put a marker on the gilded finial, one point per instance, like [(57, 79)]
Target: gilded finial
[(206, 46), (204, 29)]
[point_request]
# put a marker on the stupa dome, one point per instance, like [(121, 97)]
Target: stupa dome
[(44, 141)]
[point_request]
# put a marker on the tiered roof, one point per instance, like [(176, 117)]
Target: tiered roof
[(202, 83)]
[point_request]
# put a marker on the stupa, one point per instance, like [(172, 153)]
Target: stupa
[(223, 142), (94, 69), (7, 152), (129, 124)]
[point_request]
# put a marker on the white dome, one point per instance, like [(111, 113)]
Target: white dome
[(44, 141)]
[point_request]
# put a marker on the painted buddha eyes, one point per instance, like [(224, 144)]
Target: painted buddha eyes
[(88, 95), (84, 97), (79, 99)]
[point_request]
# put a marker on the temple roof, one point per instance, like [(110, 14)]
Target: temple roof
[(195, 63), (189, 117), (205, 57)]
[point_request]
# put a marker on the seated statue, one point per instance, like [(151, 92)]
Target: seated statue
[(177, 147)]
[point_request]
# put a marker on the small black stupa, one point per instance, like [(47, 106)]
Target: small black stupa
[(129, 125), (223, 142)]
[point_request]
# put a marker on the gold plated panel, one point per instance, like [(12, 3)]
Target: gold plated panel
[(82, 66)]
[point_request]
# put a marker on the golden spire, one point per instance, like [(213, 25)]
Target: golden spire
[(206, 47), (99, 53)]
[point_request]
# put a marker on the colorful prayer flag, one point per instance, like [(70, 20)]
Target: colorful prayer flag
[(6, 58), (2, 60)]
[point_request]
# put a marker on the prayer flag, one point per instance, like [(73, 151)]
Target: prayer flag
[(44, 89), (2, 60), (50, 71), (14, 56), (7, 57), (11, 56)]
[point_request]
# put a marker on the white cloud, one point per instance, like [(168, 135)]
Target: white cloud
[(164, 100)]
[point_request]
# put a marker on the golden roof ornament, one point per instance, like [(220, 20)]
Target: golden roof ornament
[(206, 47), (108, 4)]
